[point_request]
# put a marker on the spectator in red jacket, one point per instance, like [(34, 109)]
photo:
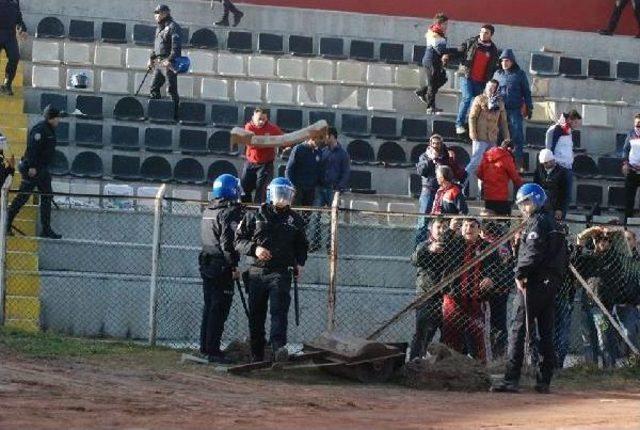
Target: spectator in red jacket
[(258, 168), (449, 198), (496, 169)]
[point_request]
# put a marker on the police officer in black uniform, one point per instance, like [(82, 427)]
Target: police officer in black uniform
[(10, 21), (274, 237), (34, 168), (219, 262), (167, 47), (542, 261)]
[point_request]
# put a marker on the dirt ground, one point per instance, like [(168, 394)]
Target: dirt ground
[(154, 391)]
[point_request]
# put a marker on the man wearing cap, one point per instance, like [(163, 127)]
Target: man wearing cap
[(34, 168), (10, 22), (167, 47), (555, 181)]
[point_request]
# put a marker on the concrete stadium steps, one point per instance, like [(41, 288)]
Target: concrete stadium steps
[(19, 79)]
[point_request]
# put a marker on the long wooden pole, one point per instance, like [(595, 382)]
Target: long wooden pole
[(333, 263)]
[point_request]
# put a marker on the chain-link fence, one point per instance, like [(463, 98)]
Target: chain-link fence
[(127, 267)]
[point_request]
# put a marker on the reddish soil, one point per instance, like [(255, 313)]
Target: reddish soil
[(120, 393)]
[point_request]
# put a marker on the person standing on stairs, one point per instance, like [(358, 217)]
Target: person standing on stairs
[(228, 7), (167, 47), (34, 168), (10, 22)]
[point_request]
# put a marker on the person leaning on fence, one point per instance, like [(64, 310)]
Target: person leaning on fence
[(34, 169), (218, 262), (274, 239), (541, 264), (631, 166), (449, 198), (556, 181), (462, 310), (430, 257), (497, 169)]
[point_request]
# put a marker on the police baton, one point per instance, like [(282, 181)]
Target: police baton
[(296, 303), (244, 302), (149, 69)]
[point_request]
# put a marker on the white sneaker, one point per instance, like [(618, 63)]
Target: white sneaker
[(460, 129)]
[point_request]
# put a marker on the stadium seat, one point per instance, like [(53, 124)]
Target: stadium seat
[(108, 56), (571, 68), (156, 169), (360, 180), (415, 130), (220, 142), (289, 119), (616, 197), (50, 28), (125, 167), (462, 156), (610, 167), (113, 32), (535, 136), (415, 185), (189, 171), (595, 115), (230, 65), (628, 72), (45, 77), (354, 125), (418, 53), (446, 129), (301, 45), (137, 58), (319, 70), (220, 167), (542, 65), (161, 111), (128, 109), (81, 31), (204, 38), (184, 36), (360, 151), (361, 50), (279, 93), (88, 107), (158, 139), (114, 82), (125, 138), (417, 151), (193, 141), (225, 116), (588, 195), (87, 165), (350, 72), (347, 98), (384, 127), (45, 51), (310, 95), (378, 99), (260, 66), (408, 77), (239, 41), (62, 134), (91, 80), (88, 134), (214, 89), (144, 35), (317, 115), (145, 87), (59, 165), (392, 53), (600, 70), (291, 68), (202, 62), (58, 101), (248, 92), (270, 44), (332, 47), (391, 152), (379, 75), (77, 53), (185, 86), (583, 165), (192, 113)]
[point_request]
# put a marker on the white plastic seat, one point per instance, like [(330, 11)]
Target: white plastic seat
[(137, 58), (448, 102), (62, 186), (350, 72), (185, 86), (310, 95), (108, 56), (347, 98), (90, 79), (77, 53), (113, 81), (137, 79), (378, 74), (380, 100), (399, 220), (118, 202), (261, 66), (45, 51), (408, 77), (147, 202), (214, 89), (291, 68), (45, 77), (231, 65), (280, 93), (595, 115), (248, 92), (83, 188), (202, 62), (320, 70)]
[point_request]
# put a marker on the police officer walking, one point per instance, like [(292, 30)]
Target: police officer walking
[(542, 261), (274, 237), (167, 48), (219, 262), (34, 168), (10, 21)]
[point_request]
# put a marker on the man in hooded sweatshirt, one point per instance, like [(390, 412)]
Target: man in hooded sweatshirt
[(516, 93), (496, 170)]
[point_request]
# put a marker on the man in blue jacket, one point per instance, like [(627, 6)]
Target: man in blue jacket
[(515, 91), (303, 169), (335, 169)]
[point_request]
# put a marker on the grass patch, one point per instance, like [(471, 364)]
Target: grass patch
[(590, 376)]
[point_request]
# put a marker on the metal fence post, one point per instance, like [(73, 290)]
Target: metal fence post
[(155, 258), (333, 263), (4, 207)]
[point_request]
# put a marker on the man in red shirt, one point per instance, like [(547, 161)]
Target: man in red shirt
[(257, 172)]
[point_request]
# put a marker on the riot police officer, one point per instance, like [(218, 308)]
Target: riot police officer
[(167, 48), (219, 262), (542, 261), (34, 168), (274, 237)]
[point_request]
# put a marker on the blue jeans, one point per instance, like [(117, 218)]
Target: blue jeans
[(426, 203), (564, 309), (629, 318), (565, 209), (514, 116), (478, 148), (469, 89)]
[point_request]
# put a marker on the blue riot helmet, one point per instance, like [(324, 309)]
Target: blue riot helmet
[(226, 187), (280, 192), (533, 193), (181, 64)]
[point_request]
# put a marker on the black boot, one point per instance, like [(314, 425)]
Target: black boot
[(50, 234), (224, 22), (237, 17), (5, 89)]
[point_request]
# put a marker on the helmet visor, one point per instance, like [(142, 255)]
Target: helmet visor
[(281, 195)]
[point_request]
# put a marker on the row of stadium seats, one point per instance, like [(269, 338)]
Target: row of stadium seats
[(546, 65)]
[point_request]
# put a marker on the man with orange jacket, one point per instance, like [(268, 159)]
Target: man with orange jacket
[(496, 169)]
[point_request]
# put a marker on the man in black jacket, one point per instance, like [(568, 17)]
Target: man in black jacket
[(34, 168), (10, 21), (555, 181), (229, 7), (219, 262), (167, 47)]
